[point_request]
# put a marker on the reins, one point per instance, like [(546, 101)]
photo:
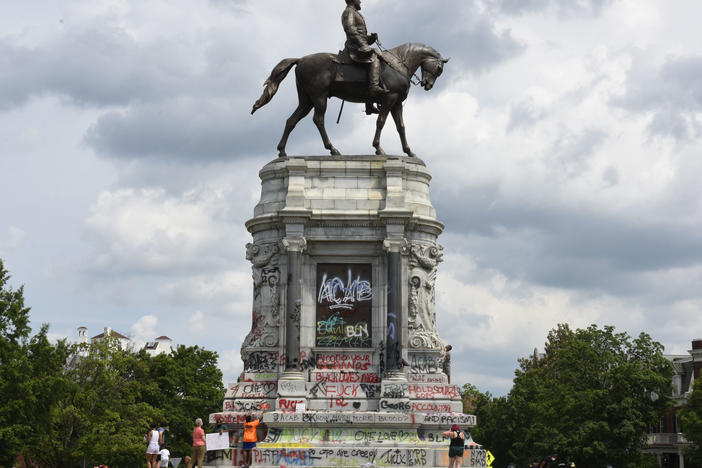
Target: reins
[(383, 49), (404, 64)]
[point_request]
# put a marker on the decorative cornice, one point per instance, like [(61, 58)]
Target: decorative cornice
[(395, 215)]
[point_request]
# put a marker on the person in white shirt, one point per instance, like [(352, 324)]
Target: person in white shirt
[(165, 455)]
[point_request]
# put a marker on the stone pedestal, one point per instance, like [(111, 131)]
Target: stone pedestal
[(343, 355)]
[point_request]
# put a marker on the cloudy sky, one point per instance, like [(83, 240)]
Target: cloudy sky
[(564, 138)]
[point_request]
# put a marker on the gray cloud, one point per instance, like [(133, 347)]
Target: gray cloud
[(190, 130), (88, 67), (233, 6), (672, 92), (561, 247), (671, 122), (570, 8), (572, 151), (524, 114), (456, 29), (102, 65), (185, 129), (610, 176)]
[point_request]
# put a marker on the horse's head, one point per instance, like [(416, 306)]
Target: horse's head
[(432, 68)]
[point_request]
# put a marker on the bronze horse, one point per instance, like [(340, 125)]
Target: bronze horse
[(321, 76)]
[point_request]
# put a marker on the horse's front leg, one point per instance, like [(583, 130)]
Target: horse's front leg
[(380, 123), (320, 108), (400, 125)]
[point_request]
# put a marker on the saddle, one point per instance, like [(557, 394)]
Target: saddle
[(351, 71)]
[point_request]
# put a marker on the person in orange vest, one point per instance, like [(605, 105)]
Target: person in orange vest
[(250, 438)]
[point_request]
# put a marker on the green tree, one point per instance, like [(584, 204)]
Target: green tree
[(109, 385), (691, 418), (64, 404), (188, 385), (590, 398), (14, 368), (112, 395), (31, 374), (494, 423)]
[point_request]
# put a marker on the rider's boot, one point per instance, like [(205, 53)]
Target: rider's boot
[(374, 79), (371, 109)]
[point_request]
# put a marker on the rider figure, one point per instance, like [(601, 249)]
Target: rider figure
[(358, 45)]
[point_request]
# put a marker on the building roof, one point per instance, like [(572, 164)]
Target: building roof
[(113, 333), (163, 337)]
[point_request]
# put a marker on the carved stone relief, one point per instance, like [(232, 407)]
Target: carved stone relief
[(421, 320), (266, 295)]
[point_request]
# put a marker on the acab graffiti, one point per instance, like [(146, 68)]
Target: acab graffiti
[(344, 296)]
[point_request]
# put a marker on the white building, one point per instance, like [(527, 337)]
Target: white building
[(160, 345), (124, 341)]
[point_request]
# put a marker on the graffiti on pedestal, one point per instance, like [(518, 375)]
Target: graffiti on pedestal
[(433, 392), (330, 456), (265, 320), (290, 404), (260, 361), (346, 377), (252, 390), (424, 364), (228, 417), (430, 407), (347, 362), (249, 405), (231, 457), (344, 301)]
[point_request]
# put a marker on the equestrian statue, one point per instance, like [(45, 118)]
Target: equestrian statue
[(360, 74)]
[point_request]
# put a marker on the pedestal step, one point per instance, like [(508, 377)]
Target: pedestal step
[(347, 456)]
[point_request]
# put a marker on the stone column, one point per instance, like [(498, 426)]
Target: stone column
[(293, 306), (294, 216), (394, 316), (291, 385), (394, 389), (393, 339), (396, 215)]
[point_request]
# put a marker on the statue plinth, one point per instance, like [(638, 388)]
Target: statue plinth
[(344, 259)]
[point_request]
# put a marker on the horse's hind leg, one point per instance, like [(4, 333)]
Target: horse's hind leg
[(303, 108), (400, 125), (320, 108)]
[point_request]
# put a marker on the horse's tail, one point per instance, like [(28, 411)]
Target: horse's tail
[(277, 75)]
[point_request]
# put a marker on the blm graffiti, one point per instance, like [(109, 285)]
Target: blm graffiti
[(344, 300)]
